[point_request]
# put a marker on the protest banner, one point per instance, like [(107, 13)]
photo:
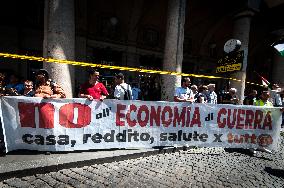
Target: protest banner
[(80, 124)]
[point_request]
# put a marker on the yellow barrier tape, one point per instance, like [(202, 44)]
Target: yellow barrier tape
[(77, 63)]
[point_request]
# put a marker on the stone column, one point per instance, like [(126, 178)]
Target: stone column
[(59, 41), (173, 53), (241, 32)]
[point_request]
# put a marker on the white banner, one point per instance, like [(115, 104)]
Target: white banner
[(80, 124)]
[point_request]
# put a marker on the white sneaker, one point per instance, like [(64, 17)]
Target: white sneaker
[(252, 151), (264, 150)]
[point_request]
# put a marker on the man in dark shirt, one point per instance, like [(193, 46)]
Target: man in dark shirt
[(15, 87), (231, 97), (28, 91), (251, 98)]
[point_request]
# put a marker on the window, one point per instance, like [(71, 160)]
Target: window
[(109, 28), (150, 37)]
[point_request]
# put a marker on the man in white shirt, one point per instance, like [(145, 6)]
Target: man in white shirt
[(122, 90), (275, 95), (212, 98), (183, 93)]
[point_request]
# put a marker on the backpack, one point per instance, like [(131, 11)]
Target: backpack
[(126, 94)]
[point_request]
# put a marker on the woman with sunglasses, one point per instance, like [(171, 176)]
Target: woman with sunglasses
[(46, 88)]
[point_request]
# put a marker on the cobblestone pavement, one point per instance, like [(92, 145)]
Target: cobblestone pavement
[(201, 167)]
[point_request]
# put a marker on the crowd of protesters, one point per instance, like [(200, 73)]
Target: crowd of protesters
[(93, 89), (203, 94), (270, 97), (43, 86)]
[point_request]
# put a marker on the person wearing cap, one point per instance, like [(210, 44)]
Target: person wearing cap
[(93, 89), (122, 90), (251, 98), (262, 101), (194, 89), (275, 95), (212, 96), (202, 95), (46, 88), (231, 97)]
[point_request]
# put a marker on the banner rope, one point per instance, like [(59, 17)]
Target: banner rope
[(132, 69)]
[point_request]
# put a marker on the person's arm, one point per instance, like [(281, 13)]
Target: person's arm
[(116, 92), (205, 98), (278, 100), (12, 92), (40, 95), (215, 98), (176, 96), (31, 93), (177, 99), (58, 92), (83, 93), (104, 93), (43, 95), (104, 90), (234, 100), (130, 92)]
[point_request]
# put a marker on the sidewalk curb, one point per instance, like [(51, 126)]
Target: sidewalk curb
[(79, 164)]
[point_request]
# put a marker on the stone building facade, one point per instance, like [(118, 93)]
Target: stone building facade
[(175, 35)]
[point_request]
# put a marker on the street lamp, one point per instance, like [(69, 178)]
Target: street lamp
[(113, 21)]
